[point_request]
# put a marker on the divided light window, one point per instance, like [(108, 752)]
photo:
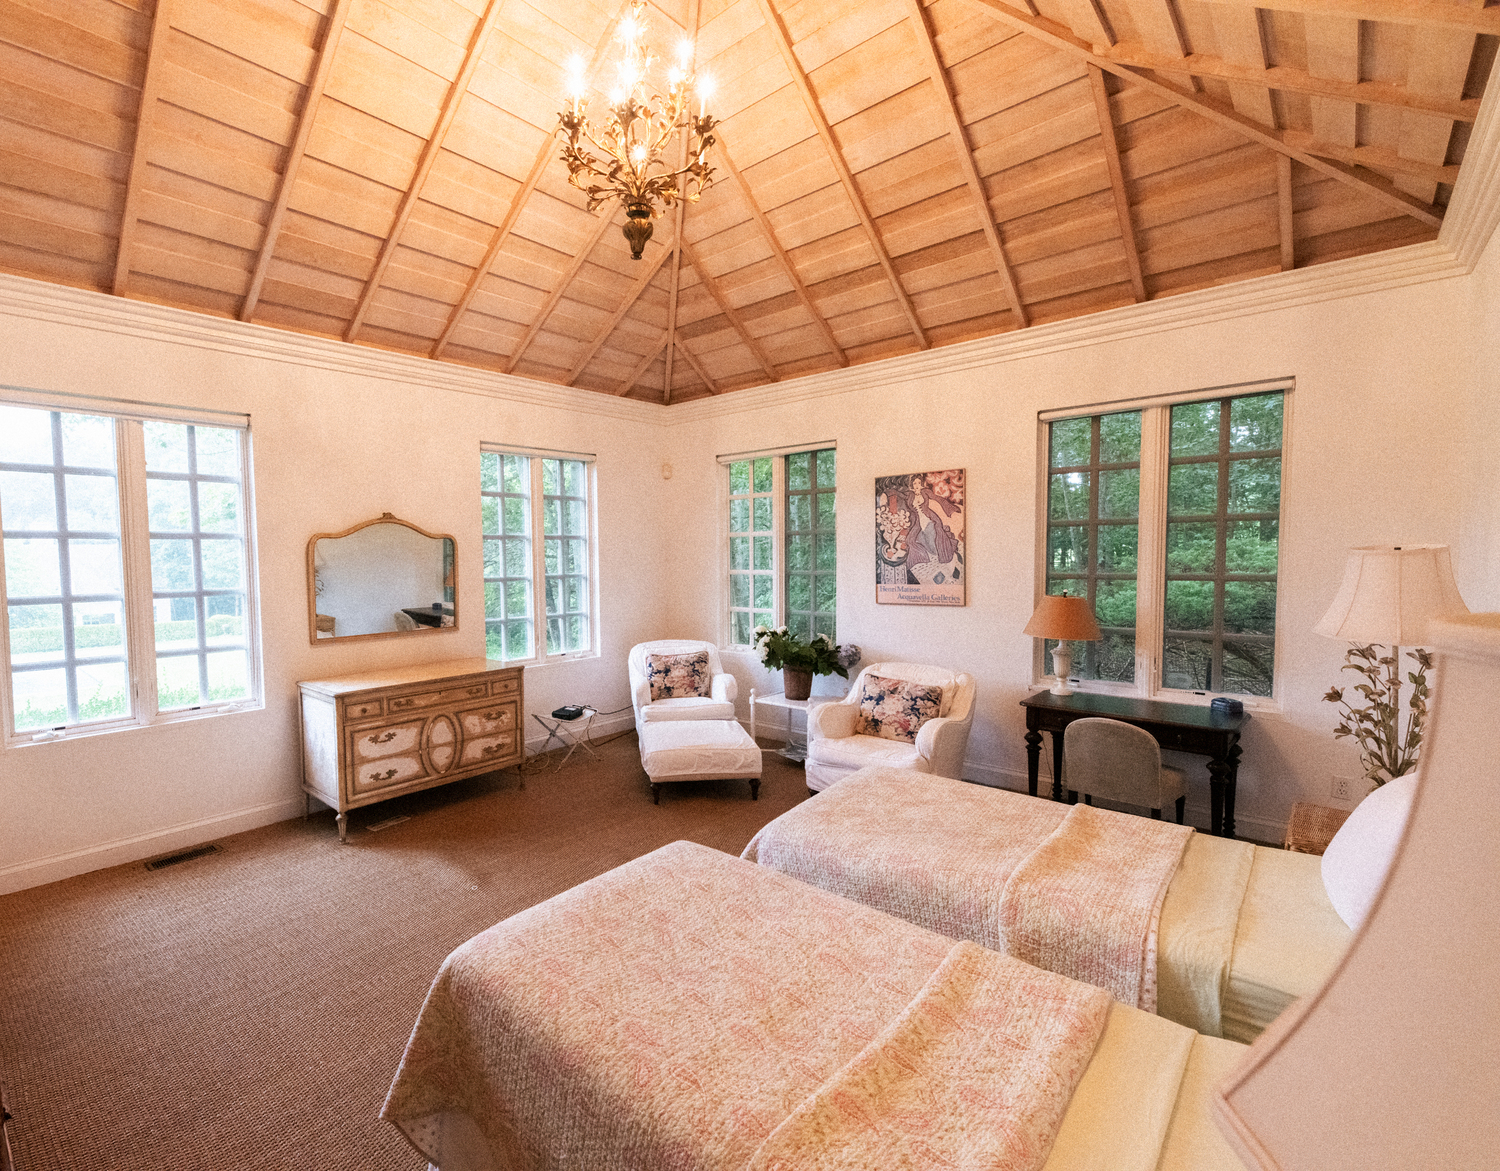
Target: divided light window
[(1167, 519), (535, 585), (126, 569), (783, 557)]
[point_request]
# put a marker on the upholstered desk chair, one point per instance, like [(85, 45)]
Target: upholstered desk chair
[(718, 704), (835, 749), (1120, 762)]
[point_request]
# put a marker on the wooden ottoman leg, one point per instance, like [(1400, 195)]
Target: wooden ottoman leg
[(755, 789), (655, 793)]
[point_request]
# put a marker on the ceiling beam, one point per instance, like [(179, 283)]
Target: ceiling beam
[(696, 364), (666, 385), (295, 152), (1382, 158), (430, 152), (1117, 181), (640, 367), (959, 137), (1376, 186), (1283, 77), (798, 285), (161, 25), (825, 132), (1421, 12), (668, 247), (544, 155), (595, 234), (1284, 213), (731, 314)]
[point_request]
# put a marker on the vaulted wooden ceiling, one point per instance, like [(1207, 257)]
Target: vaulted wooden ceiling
[(892, 175)]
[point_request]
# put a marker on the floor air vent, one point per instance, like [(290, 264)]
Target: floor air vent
[(185, 856)]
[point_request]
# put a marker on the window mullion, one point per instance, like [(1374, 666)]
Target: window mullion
[(1151, 550), (135, 559), (537, 508), (778, 540)]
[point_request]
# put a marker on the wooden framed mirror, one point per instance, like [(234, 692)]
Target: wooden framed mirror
[(381, 578)]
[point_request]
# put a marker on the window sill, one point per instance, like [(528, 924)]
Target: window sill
[(42, 736)]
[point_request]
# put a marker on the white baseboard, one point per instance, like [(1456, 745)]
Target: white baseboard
[(25, 875)]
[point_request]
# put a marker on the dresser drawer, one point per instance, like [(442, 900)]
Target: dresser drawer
[(487, 720), (389, 740), (444, 697), (501, 748), (363, 709), (392, 770), (506, 686)]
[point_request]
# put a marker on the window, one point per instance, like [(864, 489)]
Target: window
[(521, 495), (783, 558), (125, 545), (1167, 518)]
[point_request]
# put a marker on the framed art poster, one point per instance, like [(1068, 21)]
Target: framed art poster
[(919, 539)]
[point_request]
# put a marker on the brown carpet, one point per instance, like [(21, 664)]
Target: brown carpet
[(247, 1009)]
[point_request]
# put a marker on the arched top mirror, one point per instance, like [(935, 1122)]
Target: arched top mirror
[(380, 578)]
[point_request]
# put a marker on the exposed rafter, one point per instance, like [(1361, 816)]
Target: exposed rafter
[(846, 176), (156, 62), (958, 136), (1285, 213), (1117, 181), (430, 152), (640, 367), (698, 367), (731, 314), (295, 152), (1376, 186), (644, 278), (1372, 156), (1475, 19), (799, 286), (666, 382), (582, 255)]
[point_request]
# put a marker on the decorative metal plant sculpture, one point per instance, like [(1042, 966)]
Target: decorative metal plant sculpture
[(1384, 749), (637, 130)]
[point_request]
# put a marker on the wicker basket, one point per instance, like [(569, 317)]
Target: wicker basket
[(1312, 827)]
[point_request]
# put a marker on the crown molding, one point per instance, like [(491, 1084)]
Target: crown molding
[(1474, 211), (25, 297)]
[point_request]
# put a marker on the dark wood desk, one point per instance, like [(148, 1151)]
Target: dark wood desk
[(1184, 727)]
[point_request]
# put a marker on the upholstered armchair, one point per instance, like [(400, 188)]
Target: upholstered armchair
[(836, 746), (718, 704)]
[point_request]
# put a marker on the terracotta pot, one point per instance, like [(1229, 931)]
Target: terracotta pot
[(796, 684)]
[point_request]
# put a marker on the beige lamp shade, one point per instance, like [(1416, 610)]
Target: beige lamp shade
[(1391, 593), (1063, 618), (1391, 1064)]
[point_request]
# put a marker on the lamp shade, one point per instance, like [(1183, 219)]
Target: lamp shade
[(1064, 618), (1391, 594)]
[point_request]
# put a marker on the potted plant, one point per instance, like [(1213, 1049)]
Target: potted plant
[(1385, 750), (798, 661)]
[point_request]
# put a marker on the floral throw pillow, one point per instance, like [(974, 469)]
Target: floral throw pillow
[(678, 676), (894, 709)]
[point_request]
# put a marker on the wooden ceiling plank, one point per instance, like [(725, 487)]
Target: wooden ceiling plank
[(1242, 43), (518, 203), (730, 312), (696, 364), (815, 111), (646, 359), (455, 96), (958, 136), (1419, 12), (1439, 65), (1333, 52), (1374, 93), (1117, 181), (641, 282), (1380, 158), (595, 235), (1057, 36), (161, 25), (1284, 213), (295, 152), (798, 284), (1159, 25)]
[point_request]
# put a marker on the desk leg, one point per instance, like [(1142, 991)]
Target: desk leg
[(1231, 775), (1033, 759), (1057, 758), (1218, 770)]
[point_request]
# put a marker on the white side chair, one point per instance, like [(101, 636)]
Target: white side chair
[(717, 705), (1120, 762), (835, 751)]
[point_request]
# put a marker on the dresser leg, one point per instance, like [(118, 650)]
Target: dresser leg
[(343, 820)]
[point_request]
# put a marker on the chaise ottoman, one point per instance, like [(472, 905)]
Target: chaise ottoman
[(699, 750)]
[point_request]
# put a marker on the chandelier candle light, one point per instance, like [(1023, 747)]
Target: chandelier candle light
[(639, 125)]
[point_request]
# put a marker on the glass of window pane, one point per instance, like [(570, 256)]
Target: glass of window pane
[(517, 557), (98, 630), (1071, 442), (553, 588), (799, 553), (552, 556), (1120, 493), (1067, 549), (1186, 664), (518, 640), (799, 471), (739, 590), (827, 465), (94, 566), (739, 552), (88, 441), (1193, 490), (1255, 485), (217, 451), (762, 552), (177, 684), (228, 675), (739, 478), (1119, 438), (1117, 548), (825, 592), (574, 479), (826, 510), (1190, 605), (800, 625), (223, 568), (514, 508), (762, 515), (764, 591), (1250, 607), (1248, 666), (578, 632), (739, 516), (1068, 496), (741, 633), (489, 471), (103, 692), (26, 436), (40, 698), (30, 500), (551, 517), (828, 551), (169, 505), (798, 592), (551, 477), (1255, 422), (166, 447), (1192, 547), (798, 513), (1251, 545), (762, 475), (32, 567), (218, 507), (1195, 428), (517, 474), (36, 633), (517, 599), (176, 624)]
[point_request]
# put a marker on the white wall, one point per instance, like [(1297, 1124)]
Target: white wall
[(331, 448), (1382, 387)]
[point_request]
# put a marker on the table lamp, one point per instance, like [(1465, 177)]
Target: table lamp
[(1063, 618)]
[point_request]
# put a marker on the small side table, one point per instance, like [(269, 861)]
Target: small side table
[(795, 749), (567, 732), (1312, 827)]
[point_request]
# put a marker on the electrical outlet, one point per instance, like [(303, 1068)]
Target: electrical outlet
[(1343, 788)]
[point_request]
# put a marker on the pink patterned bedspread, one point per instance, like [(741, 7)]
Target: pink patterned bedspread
[(686, 1008), (1074, 889)]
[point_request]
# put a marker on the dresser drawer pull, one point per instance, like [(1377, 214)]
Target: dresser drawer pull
[(494, 749), (407, 702), (385, 739), (476, 690), (498, 714), (385, 776)]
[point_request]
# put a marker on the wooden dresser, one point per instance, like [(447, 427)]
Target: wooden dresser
[(374, 735)]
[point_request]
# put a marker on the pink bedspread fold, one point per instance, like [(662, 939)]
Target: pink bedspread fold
[(1087, 902), (976, 1072)]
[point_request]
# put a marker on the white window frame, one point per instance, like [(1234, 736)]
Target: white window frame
[(1151, 553), (778, 533), (539, 554), (138, 603)]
